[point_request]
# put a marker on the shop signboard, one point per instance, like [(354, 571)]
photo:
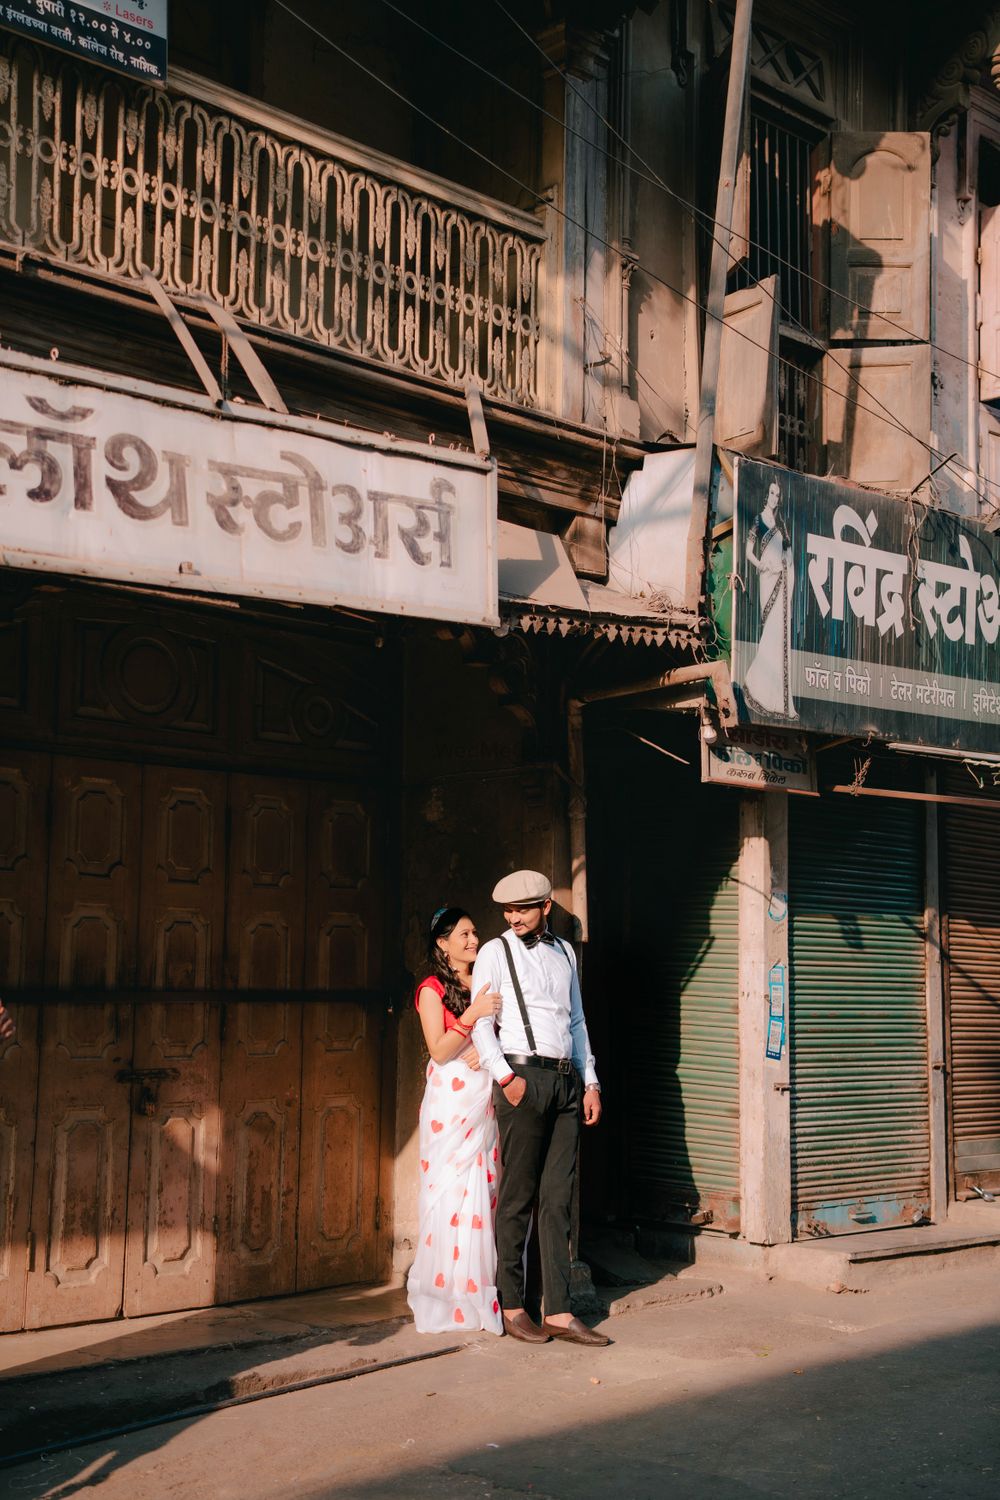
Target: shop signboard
[(127, 36), (759, 758), (858, 614), (124, 480)]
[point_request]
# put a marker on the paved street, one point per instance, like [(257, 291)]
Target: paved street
[(767, 1390)]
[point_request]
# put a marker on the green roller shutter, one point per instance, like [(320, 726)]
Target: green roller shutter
[(683, 1146), (858, 1038), (971, 901)]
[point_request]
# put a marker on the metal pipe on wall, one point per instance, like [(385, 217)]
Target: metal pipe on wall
[(694, 568)]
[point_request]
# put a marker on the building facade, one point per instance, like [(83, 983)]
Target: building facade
[(352, 381)]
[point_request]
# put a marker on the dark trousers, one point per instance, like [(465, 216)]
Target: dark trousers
[(538, 1144)]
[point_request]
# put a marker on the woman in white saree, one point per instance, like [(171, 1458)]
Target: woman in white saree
[(452, 1282), (766, 686)]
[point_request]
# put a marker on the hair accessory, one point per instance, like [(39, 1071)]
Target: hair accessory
[(437, 916)]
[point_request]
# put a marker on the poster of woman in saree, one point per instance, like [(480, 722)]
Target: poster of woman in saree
[(767, 686)]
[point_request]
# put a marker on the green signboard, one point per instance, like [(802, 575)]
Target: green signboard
[(855, 613)]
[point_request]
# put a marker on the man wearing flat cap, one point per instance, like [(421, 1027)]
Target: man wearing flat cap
[(543, 1073)]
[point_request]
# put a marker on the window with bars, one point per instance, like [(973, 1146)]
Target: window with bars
[(780, 209), (779, 228)]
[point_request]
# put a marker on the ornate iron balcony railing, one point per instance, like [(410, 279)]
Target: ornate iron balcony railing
[(287, 226)]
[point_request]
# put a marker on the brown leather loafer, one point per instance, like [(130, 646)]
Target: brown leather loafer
[(521, 1327), (575, 1332)]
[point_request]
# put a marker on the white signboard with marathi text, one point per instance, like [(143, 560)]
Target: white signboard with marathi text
[(760, 759), (129, 481)]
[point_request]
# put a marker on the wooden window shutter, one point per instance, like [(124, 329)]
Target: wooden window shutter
[(820, 219), (989, 304), (746, 403), (867, 389), (879, 236)]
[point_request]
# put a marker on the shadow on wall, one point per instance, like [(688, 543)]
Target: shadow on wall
[(663, 922)]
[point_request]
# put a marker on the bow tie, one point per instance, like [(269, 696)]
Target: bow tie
[(534, 938)]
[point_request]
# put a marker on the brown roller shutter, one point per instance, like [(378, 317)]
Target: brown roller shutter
[(971, 890)]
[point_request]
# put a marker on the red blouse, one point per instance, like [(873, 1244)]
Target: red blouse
[(431, 982)]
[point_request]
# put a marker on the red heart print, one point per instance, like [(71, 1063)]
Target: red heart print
[(439, 1279), (457, 1084), (424, 1164), (455, 1256), (496, 1307), (459, 1317), (494, 1153), (428, 1239), (489, 1177), (454, 1221), (437, 1125), (479, 1159), (477, 1222), (470, 1286)]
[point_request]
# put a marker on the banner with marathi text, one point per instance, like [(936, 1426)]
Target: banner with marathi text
[(111, 478), (856, 613)]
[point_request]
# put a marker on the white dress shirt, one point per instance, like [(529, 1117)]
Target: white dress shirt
[(551, 989)]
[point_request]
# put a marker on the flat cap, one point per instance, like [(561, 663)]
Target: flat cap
[(522, 888)]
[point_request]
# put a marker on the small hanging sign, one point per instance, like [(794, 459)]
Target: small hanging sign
[(776, 1012), (127, 36), (760, 759)]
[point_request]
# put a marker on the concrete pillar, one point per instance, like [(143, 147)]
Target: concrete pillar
[(765, 1115)]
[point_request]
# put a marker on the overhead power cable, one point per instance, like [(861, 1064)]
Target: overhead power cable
[(945, 460), (888, 418), (651, 176), (707, 222)]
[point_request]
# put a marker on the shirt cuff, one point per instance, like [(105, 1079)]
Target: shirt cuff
[(590, 1080), (500, 1068)]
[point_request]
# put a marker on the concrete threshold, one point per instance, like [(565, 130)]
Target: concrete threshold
[(859, 1261)]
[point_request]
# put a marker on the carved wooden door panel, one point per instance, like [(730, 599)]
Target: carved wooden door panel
[(170, 1254), (81, 1170), (341, 1041), (24, 787), (262, 1044)]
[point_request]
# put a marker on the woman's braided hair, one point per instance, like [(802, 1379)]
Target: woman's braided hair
[(456, 999)]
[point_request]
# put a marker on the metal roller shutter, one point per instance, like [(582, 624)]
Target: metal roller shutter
[(684, 1130), (971, 900), (860, 1125)]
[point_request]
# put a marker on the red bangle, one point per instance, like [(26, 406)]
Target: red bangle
[(504, 1082)]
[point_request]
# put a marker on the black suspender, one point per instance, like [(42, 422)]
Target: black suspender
[(520, 993)]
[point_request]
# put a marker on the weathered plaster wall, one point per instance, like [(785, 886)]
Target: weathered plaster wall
[(954, 278), (663, 336)]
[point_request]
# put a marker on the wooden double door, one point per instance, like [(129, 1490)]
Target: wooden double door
[(190, 1111)]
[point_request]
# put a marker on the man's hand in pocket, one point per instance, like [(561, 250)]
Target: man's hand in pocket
[(515, 1090)]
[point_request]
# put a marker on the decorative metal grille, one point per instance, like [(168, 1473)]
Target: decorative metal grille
[(124, 179), (797, 401)]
